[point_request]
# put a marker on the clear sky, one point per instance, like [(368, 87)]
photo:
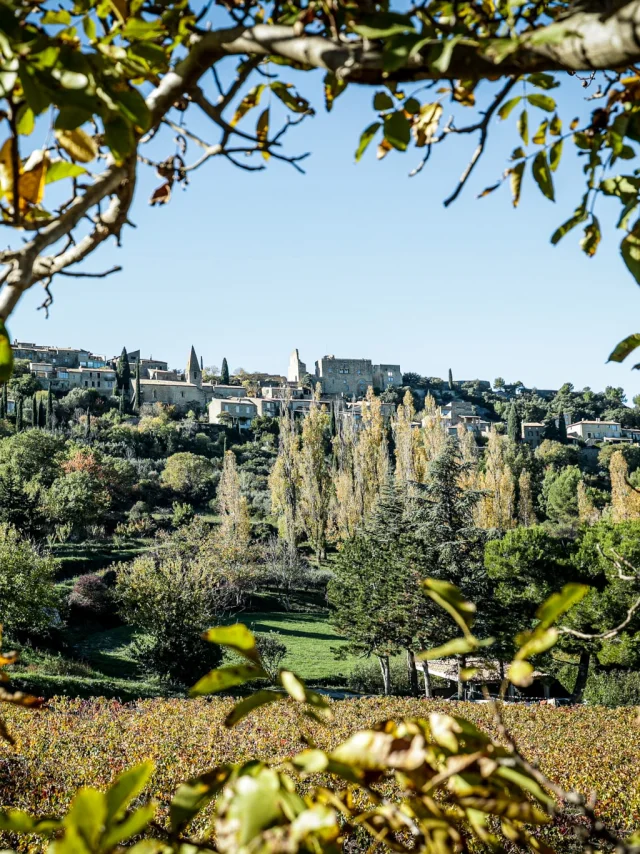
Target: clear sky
[(359, 261)]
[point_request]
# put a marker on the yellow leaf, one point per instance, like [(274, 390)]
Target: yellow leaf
[(426, 124), (521, 673), (32, 181), (78, 144)]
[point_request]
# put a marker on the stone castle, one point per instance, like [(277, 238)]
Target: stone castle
[(349, 378)]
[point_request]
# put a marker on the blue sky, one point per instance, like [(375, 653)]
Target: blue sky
[(358, 261)]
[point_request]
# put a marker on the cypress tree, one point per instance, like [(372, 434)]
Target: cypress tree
[(123, 372), (3, 402), (562, 429), (19, 422), (87, 429), (138, 392), (513, 424), (224, 373), (121, 404), (42, 415), (49, 417), (34, 411), (551, 430), (450, 379)]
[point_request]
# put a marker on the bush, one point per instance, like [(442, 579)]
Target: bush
[(183, 514), (367, 678), (273, 651), (91, 598), (613, 688)]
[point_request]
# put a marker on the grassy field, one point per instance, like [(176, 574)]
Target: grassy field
[(103, 664)]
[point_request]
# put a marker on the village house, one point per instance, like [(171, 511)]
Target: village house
[(64, 379), (347, 378), (595, 431), (532, 433), (238, 411)]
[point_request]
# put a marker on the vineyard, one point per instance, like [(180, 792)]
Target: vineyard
[(78, 742)]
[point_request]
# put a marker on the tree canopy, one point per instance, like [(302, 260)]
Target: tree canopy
[(111, 78)]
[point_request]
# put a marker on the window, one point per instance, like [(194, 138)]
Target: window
[(98, 383), (86, 382), (181, 394), (588, 435), (93, 384)]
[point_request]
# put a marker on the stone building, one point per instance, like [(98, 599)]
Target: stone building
[(297, 369), (63, 379), (239, 411), (352, 377), (67, 357), (183, 393)]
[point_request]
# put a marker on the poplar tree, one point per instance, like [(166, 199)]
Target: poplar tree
[(371, 454), (625, 501), (315, 476), (404, 444), (224, 372), (497, 507), (19, 423), (526, 509), (431, 438), (50, 417), (235, 524), (284, 480)]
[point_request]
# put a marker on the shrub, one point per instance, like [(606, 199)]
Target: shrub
[(183, 513), (273, 651), (91, 598), (366, 678), (613, 689)]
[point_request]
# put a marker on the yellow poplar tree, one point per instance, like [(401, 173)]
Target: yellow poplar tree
[(315, 476), (430, 439), (404, 442), (346, 506), (496, 509), (371, 458), (284, 480), (469, 453), (526, 510), (625, 501), (235, 524), (588, 513)]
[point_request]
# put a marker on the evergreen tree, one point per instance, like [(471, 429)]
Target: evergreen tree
[(87, 429), (562, 429), (366, 593), (122, 408), (137, 403), (513, 424), (551, 430), (42, 415), (34, 411), (315, 477), (49, 418), (224, 373), (3, 402), (450, 380), (123, 373), (19, 422)]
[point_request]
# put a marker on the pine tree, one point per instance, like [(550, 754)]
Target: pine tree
[(123, 373), (224, 372), (19, 422), (235, 524), (513, 424), (451, 384), (50, 417), (34, 411)]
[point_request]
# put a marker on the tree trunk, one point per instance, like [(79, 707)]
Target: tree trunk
[(412, 672), (386, 673), (581, 679), (461, 664), (428, 693)]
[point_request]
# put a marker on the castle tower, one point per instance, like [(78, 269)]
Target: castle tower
[(297, 369), (192, 373)]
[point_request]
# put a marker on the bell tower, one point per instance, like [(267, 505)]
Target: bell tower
[(193, 374)]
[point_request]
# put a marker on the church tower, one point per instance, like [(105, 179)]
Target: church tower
[(193, 374)]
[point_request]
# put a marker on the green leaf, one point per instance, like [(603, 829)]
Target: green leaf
[(334, 86), (506, 109), (61, 17), (36, 96), (16, 821), (625, 347), (555, 154), (85, 819), (383, 25), (397, 130), (521, 673), (89, 27), (625, 187), (70, 79), (397, 50), (236, 637), (139, 30), (250, 100), (579, 216), (366, 137), (26, 121), (542, 175), (543, 81), (70, 118), (294, 102), (226, 677), (382, 101), (524, 782), (523, 126), (559, 603), (555, 128), (591, 240), (60, 169), (118, 135), (630, 249), (126, 787), (295, 688), (515, 179), (457, 646), (8, 76), (451, 599), (254, 701), (543, 102), (134, 109), (540, 136), (412, 106), (628, 211), (195, 794), (442, 63), (131, 825), (533, 643)]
